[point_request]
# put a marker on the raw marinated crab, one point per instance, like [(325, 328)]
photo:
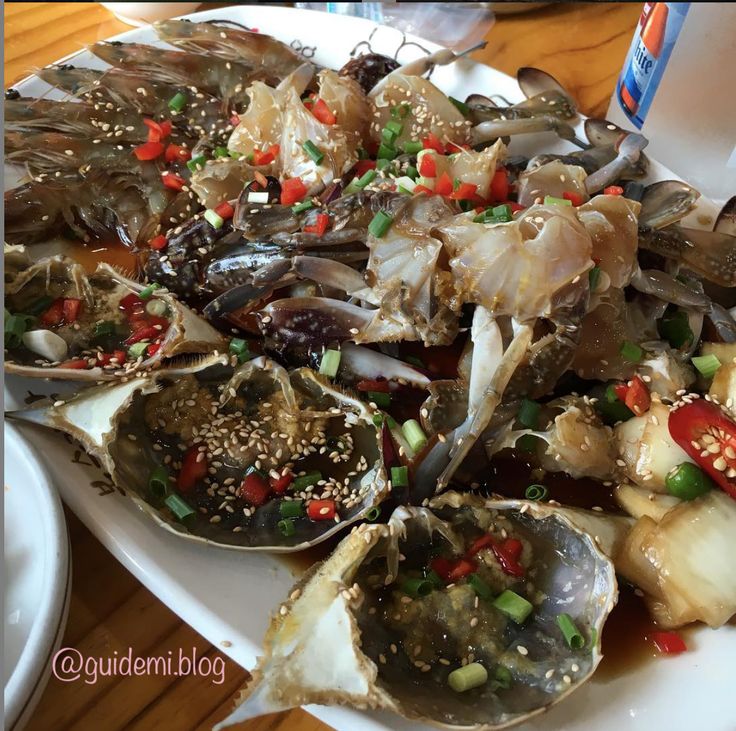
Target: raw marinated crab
[(416, 307), (471, 613)]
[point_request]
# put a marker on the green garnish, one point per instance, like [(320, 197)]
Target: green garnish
[(313, 151), (221, 152), (550, 200), (467, 677), (675, 329), (15, 326), (687, 481), (156, 307), (387, 152), (178, 102), (303, 206), (182, 511), (213, 218), (412, 172), (414, 434), (291, 508), (373, 514), (502, 677), (146, 292), (593, 276), (305, 481), (158, 482), (707, 365), (631, 351), (106, 327), (286, 527), (417, 587), (536, 492), (380, 224), (380, 399), (480, 587), (513, 606), (330, 363), (400, 476), (462, 107), (197, 163), (138, 349), (575, 640)]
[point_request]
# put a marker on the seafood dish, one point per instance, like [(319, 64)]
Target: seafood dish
[(498, 389)]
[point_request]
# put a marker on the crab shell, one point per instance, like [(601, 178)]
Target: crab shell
[(103, 418), (187, 334), (320, 646)]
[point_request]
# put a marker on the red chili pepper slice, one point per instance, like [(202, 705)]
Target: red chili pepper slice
[(380, 385), (637, 396), (77, 364), (193, 469), (698, 425), (144, 333), (158, 242), (173, 182), (292, 191), (166, 127), (499, 190), (131, 303), (225, 210), (262, 158), (152, 349), (669, 643), (71, 307), (254, 489), (432, 142), (54, 315), (322, 112), (575, 198), (422, 189), (148, 150), (479, 544), (363, 166), (177, 153), (155, 133), (281, 485), (441, 566), (104, 359), (321, 225), (508, 558), (428, 167), (465, 191), (443, 186), (462, 567), (515, 207), (321, 509), (613, 190)]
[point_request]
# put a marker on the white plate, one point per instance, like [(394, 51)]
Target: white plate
[(37, 573), (228, 596)]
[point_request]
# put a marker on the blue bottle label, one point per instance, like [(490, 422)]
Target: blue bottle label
[(647, 59)]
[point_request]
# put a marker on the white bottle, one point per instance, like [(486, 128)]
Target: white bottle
[(678, 86)]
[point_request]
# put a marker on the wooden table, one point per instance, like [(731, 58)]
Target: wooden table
[(583, 45)]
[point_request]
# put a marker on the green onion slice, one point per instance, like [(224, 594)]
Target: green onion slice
[(238, 346), (380, 224), (465, 678), (286, 527), (550, 200), (379, 398), (197, 163), (413, 147), (214, 218), (156, 307), (373, 514), (181, 509), (15, 326), (513, 606), (593, 276), (138, 349), (146, 292), (675, 329), (305, 481), (386, 152), (536, 492), (706, 364), (418, 587), (330, 363), (480, 587), (631, 351), (502, 676), (158, 482), (570, 632), (221, 152), (400, 476), (177, 102), (414, 434), (291, 508), (313, 151), (303, 206), (106, 327)]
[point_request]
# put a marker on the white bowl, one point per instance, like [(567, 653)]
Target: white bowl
[(145, 13)]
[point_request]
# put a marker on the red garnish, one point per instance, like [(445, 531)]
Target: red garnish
[(432, 142), (149, 150), (613, 190), (319, 228), (148, 332), (479, 544), (515, 207), (76, 364), (637, 396), (193, 469), (697, 426), (321, 509), (152, 349), (177, 153), (104, 359), (225, 210), (281, 485), (254, 489), (158, 242), (173, 181), (442, 567), (499, 190), (379, 385), (292, 191), (71, 309), (465, 191), (54, 314), (443, 186), (462, 567), (668, 643), (267, 156), (507, 554), (322, 113), (422, 189), (575, 198), (428, 166), (132, 302), (363, 166)]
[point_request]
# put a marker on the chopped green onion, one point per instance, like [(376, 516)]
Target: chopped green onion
[(528, 414), (15, 326), (286, 527), (138, 349), (480, 587), (177, 102), (513, 606), (574, 639), (593, 276), (156, 307), (687, 481), (378, 420), (182, 511), (467, 677), (40, 305), (380, 224), (373, 514), (462, 107), (197, 163), (303, 206), (313, 151), (388, 136), (414, 435), (631, 351), (366, 178), (412, 172), (536, 492), (305, 481), (502, 676), (158, 482), (675, 329), (386, 152), (550, 200), (502, 212), (146, 292), (258, 196), (400, 476), (413, 147), (611, 408), (330, 363), (418, 587), (106, 327), (379, 398), (406, 185), (706, 364), (214, 218), (235, 154), (238, 346), (291, 508), (395, 127), (222, 152), (385, 165)]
